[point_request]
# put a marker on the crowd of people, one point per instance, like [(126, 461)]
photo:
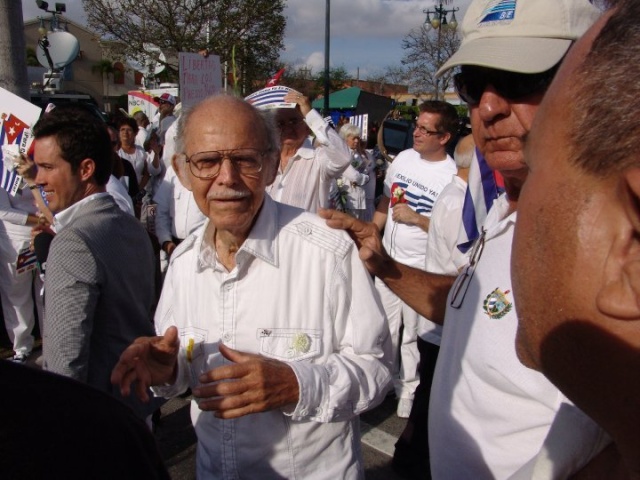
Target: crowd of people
[(237, 251)]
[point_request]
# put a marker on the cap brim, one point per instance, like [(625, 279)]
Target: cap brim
[(513, 54)]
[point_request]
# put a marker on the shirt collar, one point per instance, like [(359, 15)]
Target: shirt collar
[(306, 151), (499, 219), (69, 214), (261, 242)]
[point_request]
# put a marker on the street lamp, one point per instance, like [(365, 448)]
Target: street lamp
[(59, 9), (437, 19)]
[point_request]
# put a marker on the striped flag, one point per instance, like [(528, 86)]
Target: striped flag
[(482, 190), (270, 97), (10, 181), (26, 261), (361, 121)]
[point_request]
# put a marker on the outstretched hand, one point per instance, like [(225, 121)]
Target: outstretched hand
[(147, 361), (252, 384), (366, 237)]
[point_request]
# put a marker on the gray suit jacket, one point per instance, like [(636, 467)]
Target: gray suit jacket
[(99, 291)]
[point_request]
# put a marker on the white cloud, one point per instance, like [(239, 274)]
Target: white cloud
[(365, 34)]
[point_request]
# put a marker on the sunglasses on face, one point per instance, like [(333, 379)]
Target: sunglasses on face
[(472, 82)]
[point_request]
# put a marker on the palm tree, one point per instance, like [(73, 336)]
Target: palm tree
[(105, 68)]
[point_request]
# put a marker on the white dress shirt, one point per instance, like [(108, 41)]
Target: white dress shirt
[(300, 294), (117, 190), (178, 214), (306, 180)]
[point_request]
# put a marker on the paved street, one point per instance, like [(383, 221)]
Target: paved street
[(176, 438)]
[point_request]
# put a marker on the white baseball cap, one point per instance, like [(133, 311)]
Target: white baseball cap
[(524, 36)]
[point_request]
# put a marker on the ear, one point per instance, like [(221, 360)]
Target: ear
[(86, 169), (445, 139), (272, 171), (178, 161), (620, 295)]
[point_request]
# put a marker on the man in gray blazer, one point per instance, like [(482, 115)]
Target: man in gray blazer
[(99, 287)]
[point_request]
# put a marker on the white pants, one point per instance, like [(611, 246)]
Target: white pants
[(406, 357), (15, 293)]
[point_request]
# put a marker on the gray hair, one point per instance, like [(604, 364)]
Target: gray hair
[(140, 117), (350, 130), (604, 121), (264, 117), (463, 153)]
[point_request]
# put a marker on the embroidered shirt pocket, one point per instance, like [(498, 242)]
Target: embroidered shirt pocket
[(290, 344)]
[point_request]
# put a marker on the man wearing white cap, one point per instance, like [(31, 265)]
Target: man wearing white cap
[(489, 416)]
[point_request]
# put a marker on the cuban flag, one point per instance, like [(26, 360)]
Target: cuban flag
[(361, 121), (11, 133), (273, 81), (482, 189), (270, 97), (26, 261)]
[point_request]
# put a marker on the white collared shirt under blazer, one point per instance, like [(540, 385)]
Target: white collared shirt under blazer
[(300, 294)]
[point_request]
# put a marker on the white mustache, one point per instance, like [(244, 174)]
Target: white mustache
[(228, 195)]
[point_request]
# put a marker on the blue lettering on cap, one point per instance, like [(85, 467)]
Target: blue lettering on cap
[(499, 10)]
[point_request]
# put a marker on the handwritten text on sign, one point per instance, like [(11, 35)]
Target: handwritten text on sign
[(199, 77)]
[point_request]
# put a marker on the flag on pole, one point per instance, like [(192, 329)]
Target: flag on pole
[(273, 81), (482, 189)]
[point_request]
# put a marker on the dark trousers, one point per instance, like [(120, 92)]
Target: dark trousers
[(411, 456)]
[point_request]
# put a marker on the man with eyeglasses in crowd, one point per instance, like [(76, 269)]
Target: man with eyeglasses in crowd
[(307, 166), (489, 416), (267, 314), (413, 182)]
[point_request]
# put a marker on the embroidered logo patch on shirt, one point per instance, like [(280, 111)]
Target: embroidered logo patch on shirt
[(498, 11), (497, 305)]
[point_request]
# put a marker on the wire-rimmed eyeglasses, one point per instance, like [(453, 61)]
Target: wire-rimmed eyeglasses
[(461, 285), (246, 161)]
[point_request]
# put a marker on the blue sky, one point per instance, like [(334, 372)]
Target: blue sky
[(366, 35)]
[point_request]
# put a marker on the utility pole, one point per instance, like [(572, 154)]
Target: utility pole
[(327, 36), (13, 55)]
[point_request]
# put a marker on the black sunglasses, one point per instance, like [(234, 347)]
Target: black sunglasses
[(471, 83)]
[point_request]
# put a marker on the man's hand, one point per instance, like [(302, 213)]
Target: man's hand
[(252, 384), (26, 168), (367, 238), (403, 213), (147, 361)]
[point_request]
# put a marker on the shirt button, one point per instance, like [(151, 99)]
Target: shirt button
[(303, 412), (227, 437), (226, 337), (228, 286)]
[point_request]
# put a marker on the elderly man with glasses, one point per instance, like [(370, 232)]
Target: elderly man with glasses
[(266, 313), (489, 416)]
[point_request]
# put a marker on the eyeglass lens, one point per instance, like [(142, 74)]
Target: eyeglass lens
[(471, 83), (208, 164)]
